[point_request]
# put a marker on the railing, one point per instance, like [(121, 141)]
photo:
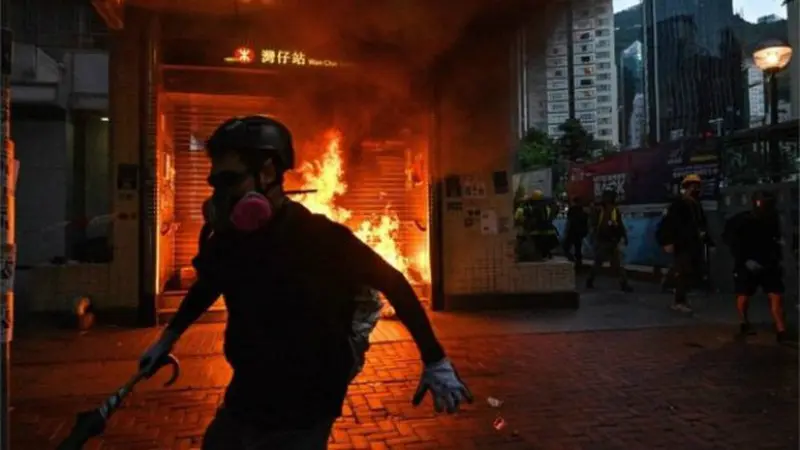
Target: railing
[(746, 156)]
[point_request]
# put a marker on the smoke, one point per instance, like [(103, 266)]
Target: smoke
[(393, 46)]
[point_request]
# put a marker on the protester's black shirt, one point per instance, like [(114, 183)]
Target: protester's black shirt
[(685, 225), (577, 221), (751, 237), (289, 290)]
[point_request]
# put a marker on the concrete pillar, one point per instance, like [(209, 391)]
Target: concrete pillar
[(133, 63)]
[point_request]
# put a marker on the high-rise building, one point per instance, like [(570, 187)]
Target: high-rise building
[(693, 68), (631, 87), (577, 73)]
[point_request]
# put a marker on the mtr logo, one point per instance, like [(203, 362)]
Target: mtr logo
[(242, 55)]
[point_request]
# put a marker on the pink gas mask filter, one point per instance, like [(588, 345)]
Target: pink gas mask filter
[(252, 212)]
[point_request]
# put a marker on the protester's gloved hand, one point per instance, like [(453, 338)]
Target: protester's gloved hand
[(752, 266), (156, 355), (447, 389)]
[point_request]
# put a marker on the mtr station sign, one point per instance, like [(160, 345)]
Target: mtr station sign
[(276, 57)]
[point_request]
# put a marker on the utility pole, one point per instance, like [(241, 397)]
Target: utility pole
[(7, 225)]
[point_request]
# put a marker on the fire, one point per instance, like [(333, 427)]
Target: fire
[(380, 232)]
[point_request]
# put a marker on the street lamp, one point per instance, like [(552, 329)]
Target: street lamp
[(771, 57)]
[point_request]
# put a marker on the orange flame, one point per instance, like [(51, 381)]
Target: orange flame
[(380, 232)]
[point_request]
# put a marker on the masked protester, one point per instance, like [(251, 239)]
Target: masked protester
[(754, 238), (294, 285), (577, 227), (610, 237), (683, 232)]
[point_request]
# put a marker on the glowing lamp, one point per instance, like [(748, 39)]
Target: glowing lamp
[(772, 56), (243, 55)]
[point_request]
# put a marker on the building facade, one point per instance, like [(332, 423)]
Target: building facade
[(572, 73), (693, 69)]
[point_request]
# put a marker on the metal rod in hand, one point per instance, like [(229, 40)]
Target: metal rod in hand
[(89, 424)]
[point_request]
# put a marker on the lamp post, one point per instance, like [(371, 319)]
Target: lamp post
[(771, 57)]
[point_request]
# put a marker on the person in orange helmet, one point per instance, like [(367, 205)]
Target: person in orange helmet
[(683, 233)]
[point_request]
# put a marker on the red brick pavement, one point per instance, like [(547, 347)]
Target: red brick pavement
[(671, 388)]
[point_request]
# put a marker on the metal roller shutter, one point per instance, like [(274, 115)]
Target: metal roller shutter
[(380, 181), (372, 185), (194, 117)]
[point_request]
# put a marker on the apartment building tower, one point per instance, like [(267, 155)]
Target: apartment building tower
[(580, 74)]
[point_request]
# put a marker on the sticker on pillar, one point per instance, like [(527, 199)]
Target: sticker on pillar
[(452, 186), (127, 177), (500, 182), (488, 222), (455, 206)]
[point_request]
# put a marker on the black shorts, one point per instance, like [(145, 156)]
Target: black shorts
[(769, 280)]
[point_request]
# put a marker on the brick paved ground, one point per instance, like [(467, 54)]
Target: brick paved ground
[(687, 387)]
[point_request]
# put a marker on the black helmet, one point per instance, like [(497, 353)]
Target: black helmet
[(257, 138)]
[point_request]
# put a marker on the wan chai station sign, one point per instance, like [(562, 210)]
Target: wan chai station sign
[(276, 57)]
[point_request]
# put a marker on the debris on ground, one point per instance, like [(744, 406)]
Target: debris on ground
[(494, 402), (499, 423)]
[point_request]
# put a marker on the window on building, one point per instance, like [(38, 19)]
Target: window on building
[(600, 9), (603, 76), (604, 121), (602, 32), (555, 51), (583, 37), (604, 98), (586, 59), (603, 87), (604, 55), (603, 43), (588, 71), (602, 22), (605, 110), (604, 66), (604, 131), (586, 82)]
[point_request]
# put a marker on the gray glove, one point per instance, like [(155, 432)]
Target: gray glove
[(752, 266), (156, 356), (447, 389)]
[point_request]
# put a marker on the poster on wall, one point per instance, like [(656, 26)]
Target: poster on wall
[(473, 188), (488, 222)]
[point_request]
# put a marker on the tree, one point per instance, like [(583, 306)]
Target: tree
[(575, 142), (536, 150)]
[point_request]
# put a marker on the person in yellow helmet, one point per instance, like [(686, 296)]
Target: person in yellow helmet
[(536, 234), (610, 236), (683, 233)]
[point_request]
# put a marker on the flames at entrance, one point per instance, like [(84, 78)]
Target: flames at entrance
[(381, 232)]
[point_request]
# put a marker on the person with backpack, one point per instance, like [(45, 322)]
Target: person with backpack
[(683, 233), (576, 229), (609, 237), (294, 285), (756, 244), (536, 235)]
